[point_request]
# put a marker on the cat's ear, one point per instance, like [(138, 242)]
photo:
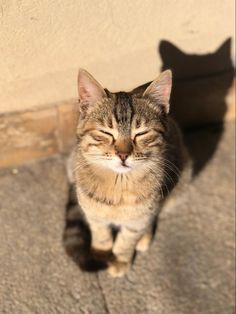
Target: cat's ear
[(168, 51), (90, 91), (159, 90), (225, 48)]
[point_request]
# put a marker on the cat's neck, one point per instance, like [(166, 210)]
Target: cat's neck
[(106, 185)]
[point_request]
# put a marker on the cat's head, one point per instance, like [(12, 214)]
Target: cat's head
[(120, 131)]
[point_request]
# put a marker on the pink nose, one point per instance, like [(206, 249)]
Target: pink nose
[(123, 156)]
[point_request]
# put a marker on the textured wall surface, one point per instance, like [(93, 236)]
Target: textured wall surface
[(42, 43)]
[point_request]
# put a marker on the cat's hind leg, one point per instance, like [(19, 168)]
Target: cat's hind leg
[(145, 241)]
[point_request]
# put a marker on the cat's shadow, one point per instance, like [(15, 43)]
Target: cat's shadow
[(200, 86)]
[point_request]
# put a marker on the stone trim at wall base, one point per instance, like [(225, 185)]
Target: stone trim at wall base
[(38, 133)]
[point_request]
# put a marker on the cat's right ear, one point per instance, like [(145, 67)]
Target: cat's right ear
[(90, 91)]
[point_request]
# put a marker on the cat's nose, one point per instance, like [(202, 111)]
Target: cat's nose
[(123, 156)]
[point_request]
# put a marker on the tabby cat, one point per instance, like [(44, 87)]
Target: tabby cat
[(129, 156)]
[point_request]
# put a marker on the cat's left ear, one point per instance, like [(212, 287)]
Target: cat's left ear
[(159, 90)]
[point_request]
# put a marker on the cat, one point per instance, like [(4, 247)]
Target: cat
[(128, 157)]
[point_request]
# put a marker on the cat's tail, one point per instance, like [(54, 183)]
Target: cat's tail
[(77, 237)]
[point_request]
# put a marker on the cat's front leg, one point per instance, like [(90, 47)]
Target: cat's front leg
[(123, 249), (102, 240)]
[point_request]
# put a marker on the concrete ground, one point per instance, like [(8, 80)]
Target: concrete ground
[(189, 268)]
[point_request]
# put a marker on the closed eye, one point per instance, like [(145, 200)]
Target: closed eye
[(150, 136), (111, 136), (107, 133), (102, 136), (97, 138), (158, 131), (140, 134)]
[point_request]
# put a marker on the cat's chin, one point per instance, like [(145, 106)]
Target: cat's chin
[(121, 169)]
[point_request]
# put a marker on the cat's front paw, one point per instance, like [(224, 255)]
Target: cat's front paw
[(118, 268)]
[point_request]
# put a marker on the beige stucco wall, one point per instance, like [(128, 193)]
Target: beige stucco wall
[(42, 43)]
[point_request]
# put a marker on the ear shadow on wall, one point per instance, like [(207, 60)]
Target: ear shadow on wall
[(200, 85)]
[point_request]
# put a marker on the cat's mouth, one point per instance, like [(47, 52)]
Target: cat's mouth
[(124, 164), (122, 168), (117, 165)]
